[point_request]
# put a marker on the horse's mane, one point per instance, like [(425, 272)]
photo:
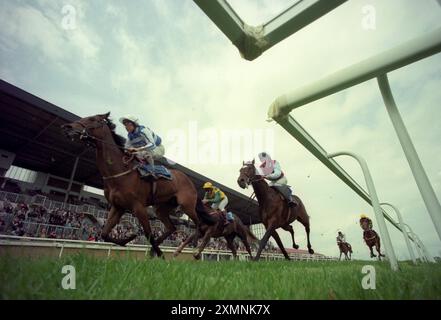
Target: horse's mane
[(119, 140)]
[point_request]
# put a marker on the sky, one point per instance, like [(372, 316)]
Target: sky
[(167, 63)]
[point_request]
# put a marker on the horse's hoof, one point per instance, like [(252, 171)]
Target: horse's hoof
[(152, 253), (310, 251), (295, 246), (197, 256)]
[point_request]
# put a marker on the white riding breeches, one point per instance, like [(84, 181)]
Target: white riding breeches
[(281, 182), (156, 153), (220, 205)]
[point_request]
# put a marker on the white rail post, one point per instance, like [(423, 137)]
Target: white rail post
[(420, 245), (423, 183), (423, 258), (427, 255), (403, 230), (375, 204)]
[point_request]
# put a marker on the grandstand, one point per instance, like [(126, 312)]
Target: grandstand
[(45, 180)]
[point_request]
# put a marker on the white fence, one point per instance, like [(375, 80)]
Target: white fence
[(61, 244)]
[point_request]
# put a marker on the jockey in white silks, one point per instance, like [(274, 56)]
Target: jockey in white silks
[(272, 171), (341, 237), (142, 141)]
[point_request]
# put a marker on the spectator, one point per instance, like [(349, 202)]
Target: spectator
[(43, 233)]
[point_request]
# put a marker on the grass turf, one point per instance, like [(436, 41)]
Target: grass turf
[(96, 278)]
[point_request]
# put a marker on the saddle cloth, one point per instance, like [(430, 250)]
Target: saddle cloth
[(146, 170)]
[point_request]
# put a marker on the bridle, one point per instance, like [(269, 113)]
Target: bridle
[(85, 135), (250, 180)]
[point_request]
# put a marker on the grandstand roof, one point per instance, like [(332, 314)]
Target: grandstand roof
[(30, 128)]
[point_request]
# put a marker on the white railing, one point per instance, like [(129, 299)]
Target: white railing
[(208, 254)]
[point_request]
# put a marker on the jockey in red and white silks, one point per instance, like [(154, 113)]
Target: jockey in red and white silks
[(272, 171)]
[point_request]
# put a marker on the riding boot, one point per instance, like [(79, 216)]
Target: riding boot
[(151, 162), (224, 216)]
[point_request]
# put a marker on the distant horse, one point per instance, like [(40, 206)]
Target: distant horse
[(373, 239), (234, 229), (345, 248), (125, 190), (273, 209)]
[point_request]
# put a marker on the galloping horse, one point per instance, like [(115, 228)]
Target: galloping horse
[(125, 190), (373, 239), (273, 209), (230, 231), (345, 248)]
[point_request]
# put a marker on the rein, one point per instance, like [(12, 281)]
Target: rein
[(120, 174), (85, 134)]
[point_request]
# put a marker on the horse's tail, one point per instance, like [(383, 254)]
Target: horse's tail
[(250, 236), (202, 213)]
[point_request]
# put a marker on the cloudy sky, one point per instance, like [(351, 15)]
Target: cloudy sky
[(167, 63)]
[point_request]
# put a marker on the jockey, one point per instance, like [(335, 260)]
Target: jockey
[(341, 237), (273, 172), (364, 219), (142, 140), (217, 198)]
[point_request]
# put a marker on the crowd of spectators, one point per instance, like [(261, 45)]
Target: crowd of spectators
[(36, 221), (30, 220)]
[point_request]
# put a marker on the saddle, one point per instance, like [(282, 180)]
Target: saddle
[(284, 191), (145, 170)]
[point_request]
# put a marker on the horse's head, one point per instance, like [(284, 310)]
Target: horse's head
[(248, 174), (88, 129)]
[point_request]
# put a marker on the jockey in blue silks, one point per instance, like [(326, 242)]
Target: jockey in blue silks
[(142, 140)]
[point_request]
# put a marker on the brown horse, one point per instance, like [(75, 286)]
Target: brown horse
[(373, 239), (126, 191), (234, 229), (273, 209), (345, 248)]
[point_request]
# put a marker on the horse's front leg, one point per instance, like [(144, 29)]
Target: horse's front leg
[(141, 213), (263, 242), (184, 244), (113, 219), (205, 240)]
